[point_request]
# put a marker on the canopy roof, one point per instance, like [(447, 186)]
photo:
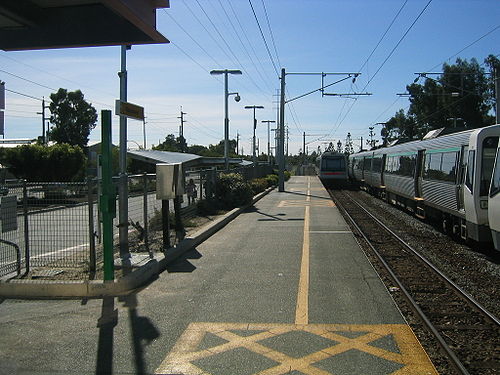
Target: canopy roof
[(39, 24)]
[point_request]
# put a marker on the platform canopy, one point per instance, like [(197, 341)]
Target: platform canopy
[(43, 24)]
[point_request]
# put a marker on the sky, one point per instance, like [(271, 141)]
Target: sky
[(387, 41)]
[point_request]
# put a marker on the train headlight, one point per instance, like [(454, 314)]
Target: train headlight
[(483, 204)]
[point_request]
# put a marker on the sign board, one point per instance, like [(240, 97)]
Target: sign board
[(8, 213), (129, 110), (169, 181)]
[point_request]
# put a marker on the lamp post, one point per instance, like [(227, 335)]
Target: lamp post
[(254, 107), (226, 115), (268, 140)]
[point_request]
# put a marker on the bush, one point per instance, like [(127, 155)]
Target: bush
[(287, 175), (232, 191), (259, 185), (272, 180)]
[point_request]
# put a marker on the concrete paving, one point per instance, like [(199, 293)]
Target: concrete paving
[(282, 289)]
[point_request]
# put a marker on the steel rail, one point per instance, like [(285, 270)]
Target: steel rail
[(463, 294), (425, 320)]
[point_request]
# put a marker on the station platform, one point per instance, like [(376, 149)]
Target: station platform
[(286, 289), (283, 288)]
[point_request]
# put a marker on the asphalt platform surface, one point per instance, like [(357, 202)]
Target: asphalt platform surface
[(282, 289)]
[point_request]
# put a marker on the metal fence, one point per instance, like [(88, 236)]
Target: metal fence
[(56, 225)]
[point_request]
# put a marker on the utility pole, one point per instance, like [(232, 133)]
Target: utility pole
[(181, 127), (237, 142), (281, 160), (123, 186), (254, 107), (144, 132), (181, 130), (2, 108), (44, 136), (268, 139)]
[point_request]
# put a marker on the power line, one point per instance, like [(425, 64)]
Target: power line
[(244, 46), (26, 95), (191, 37), (383, 36), (463, 49), (398, 43), (383, 63), (27, 80), (246, 37), (271, 33), (264, 38)]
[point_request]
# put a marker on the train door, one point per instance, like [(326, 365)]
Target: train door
[(494, 203), (418, 173), (462, 164), (382, 170)]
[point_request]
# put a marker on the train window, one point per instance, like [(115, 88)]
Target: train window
[(406, 165), (333, 164), (495, 181), (377, 165), (389, 164), (487, 160), (469, 180), (441, 166)]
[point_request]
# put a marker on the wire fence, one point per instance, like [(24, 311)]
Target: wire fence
[(55, 226)]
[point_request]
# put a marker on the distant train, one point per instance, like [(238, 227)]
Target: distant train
[(445, 179), (332, 167)]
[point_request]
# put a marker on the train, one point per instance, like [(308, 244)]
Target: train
[(332, 169), (452, 179)]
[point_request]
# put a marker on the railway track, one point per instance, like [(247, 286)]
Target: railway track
[(468, 335)]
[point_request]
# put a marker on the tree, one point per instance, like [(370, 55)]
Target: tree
[(72, 117), (462, 96), (59, 163), (172, 144), (462, 91)]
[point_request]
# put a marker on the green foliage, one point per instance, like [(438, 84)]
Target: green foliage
[(72, 118), (172, 144), (258, 185), (272, 179), (231, 190), (60, 162), (287, 175), (462, 96)]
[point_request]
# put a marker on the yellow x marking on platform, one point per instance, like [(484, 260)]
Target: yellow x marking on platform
[(309, 203), (409, 356)]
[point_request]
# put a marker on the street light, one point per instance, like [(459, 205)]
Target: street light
[(269, 140), (254, 107), (226, 115)]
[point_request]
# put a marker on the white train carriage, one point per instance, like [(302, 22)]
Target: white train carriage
[(444, 178)]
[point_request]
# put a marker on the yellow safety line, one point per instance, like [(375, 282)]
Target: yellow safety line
[(302, 309)]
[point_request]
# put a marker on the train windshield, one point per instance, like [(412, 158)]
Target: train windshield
[(333, 164), (490, 145)]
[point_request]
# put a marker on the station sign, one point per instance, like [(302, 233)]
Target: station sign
[(129, 110)]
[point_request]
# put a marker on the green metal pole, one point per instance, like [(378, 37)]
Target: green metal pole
[(108, 196)]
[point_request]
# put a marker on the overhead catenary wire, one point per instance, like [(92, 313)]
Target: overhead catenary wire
[(264, 39), (383, 63)]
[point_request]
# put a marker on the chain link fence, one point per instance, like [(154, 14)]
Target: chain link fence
[(56, 225)]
